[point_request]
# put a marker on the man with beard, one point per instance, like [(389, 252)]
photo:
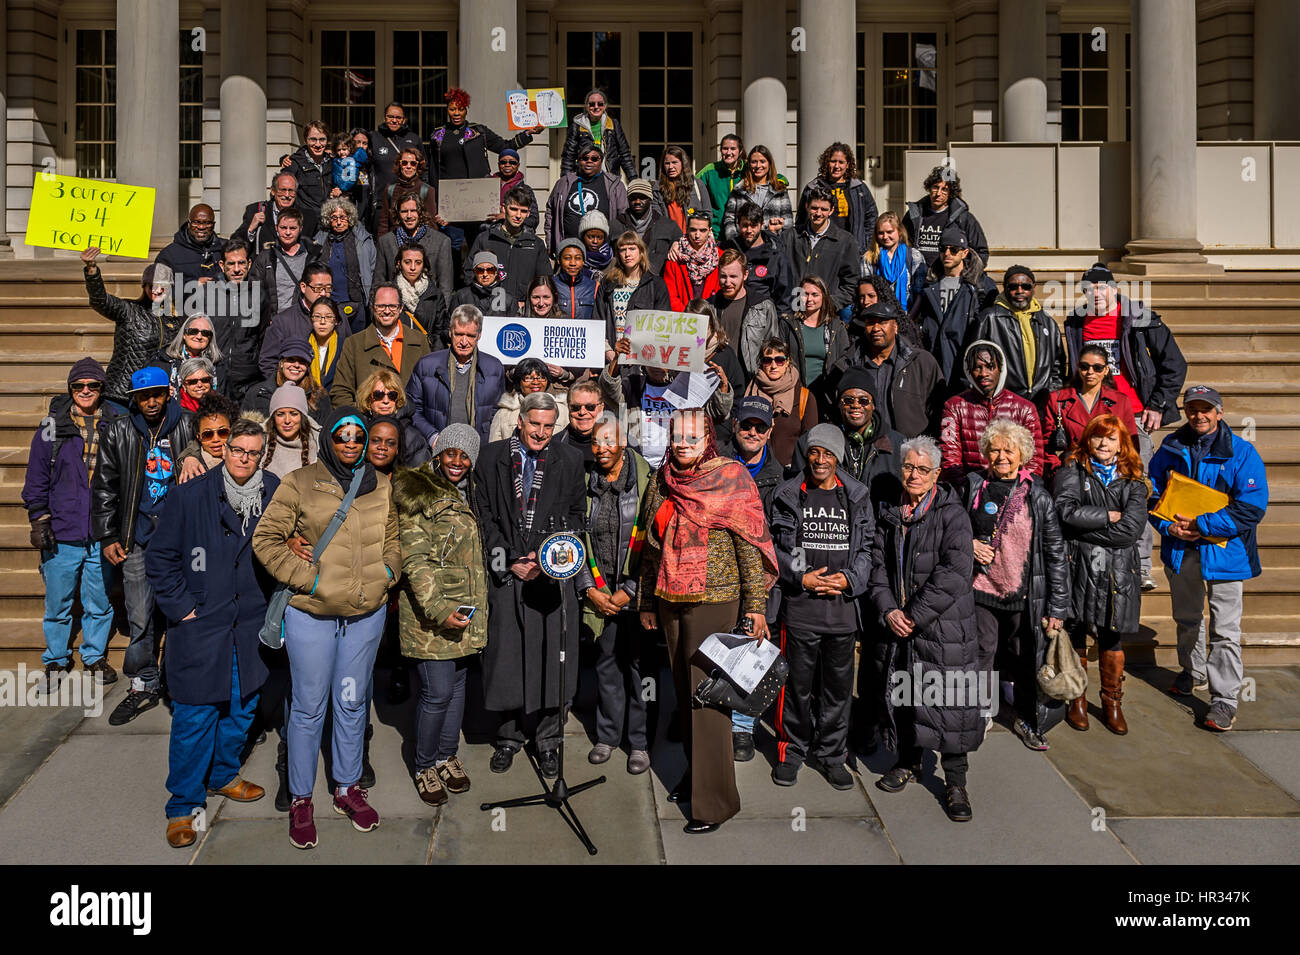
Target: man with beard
[(656, 231)]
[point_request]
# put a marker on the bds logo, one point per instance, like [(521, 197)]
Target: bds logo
[(513, 340)]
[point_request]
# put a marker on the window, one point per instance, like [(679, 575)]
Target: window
[(420, 76), (595, 62), (655, 69), (909, 90), (665, 93), (191, 119), (347, 79), (1090, 83), (94, 108)]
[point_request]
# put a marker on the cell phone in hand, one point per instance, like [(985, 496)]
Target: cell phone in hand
[(466, 612)]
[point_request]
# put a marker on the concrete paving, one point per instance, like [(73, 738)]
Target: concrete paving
[(77, 791)]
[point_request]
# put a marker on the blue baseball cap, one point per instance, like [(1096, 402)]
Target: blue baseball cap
[(150, 376), (756, 407)]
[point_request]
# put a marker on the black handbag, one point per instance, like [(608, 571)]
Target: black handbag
[(718, 691), (1059, 442)]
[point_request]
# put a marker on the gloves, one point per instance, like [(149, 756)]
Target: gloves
[(42, 536)]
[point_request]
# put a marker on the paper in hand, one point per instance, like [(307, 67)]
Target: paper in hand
[(743, 659), (690, 389)]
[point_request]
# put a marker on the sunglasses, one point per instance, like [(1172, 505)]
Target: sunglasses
[(952, 248), (918, 469), (584, 407), (852, 401), (773, 360), (199, 333), (92, 386), (207, 434), (485, 269), (594, 157), (205, 380), (754, 425), (1019, 286), (408, 162), (1098, 368), (348, 436), (380, 395)]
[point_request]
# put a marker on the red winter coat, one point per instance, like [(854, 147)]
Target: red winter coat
[(1075, 417), (678, 281), (965, 416)]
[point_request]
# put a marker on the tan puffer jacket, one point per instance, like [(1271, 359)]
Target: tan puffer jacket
[(362, 561)]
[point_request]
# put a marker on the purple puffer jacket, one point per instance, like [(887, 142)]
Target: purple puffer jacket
[(61, 491)]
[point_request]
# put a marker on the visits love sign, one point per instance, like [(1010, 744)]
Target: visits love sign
[(72, 213), (673, 340)]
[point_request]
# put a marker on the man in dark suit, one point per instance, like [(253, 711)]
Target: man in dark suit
[(260, 218), (528, 487)]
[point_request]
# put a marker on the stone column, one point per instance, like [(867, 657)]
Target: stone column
[(148, 106), (1163, 150), (762, 69), (1022, 71), (490, 36), (243, 108), (826, 71), (1277, 69)]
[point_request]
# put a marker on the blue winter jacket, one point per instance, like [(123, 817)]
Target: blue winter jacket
[(429, 393), (1233, 466)]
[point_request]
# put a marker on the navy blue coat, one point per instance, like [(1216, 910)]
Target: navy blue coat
[(429, 393), (60, 489), (224, 584)]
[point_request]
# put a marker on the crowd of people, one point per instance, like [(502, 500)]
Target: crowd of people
[(899, 467)]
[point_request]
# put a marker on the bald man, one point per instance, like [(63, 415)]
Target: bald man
[(195, 251)]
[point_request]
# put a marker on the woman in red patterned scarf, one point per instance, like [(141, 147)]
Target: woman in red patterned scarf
[(708, 560), (692, 267)]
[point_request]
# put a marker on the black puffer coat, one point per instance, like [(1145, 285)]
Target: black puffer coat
[(1049, 582), (1105, 574), (138, 334), (926, 574)]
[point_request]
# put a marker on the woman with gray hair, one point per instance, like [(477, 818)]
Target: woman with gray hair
[(349, 252), (1021, 582), (197, 377), (921, 587), (195, 339)]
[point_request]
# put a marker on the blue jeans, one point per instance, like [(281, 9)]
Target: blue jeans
[(330, 662), (741, 722), (439, 710), (61, 570), (206, 743), (141, 660)]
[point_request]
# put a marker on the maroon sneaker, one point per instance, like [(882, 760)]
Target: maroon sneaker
[(353, 805), (302, 827)]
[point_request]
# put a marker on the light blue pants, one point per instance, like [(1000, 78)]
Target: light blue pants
[(330, 662), (741, 722), (63, 569)]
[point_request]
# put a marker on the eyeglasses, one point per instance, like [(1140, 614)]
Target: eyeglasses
[(535, 376), (92, 386), (918, 469), (583, 407), (682, 441), (386, 308), (348, 436), (204, 380), (339, 217), (1089, 366), (207, 434), (243, 453), (773, 360), (325, 289), (1019, 286), (379, 395), (198, 333), (753, 424)]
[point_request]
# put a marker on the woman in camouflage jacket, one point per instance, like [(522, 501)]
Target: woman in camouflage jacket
[(443, 571)]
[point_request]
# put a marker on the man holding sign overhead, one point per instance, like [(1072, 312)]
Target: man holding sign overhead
[(1206, 450)]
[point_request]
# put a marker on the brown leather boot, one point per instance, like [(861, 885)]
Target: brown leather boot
[(1112, 691), (1077, 716)]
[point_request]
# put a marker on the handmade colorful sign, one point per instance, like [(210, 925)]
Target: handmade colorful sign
[(536, 107), (673, 340)]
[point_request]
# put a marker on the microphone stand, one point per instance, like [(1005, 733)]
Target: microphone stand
[(556, 795)]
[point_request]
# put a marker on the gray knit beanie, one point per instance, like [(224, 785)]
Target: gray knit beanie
[(461, 437), (826, 436)]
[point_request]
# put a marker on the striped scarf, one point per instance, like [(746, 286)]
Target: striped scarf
[(528, 505), (88, 425)]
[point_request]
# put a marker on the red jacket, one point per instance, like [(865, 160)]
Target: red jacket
[(678, 281), (965, 416), (1075, 417)]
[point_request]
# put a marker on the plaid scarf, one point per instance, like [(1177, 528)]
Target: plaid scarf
[(529, 505), (88, 425)]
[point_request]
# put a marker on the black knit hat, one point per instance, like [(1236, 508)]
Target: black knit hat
[(1018, 270), (87, 369)]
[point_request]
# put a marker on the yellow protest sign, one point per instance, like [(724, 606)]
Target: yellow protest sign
[(72, 213)]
